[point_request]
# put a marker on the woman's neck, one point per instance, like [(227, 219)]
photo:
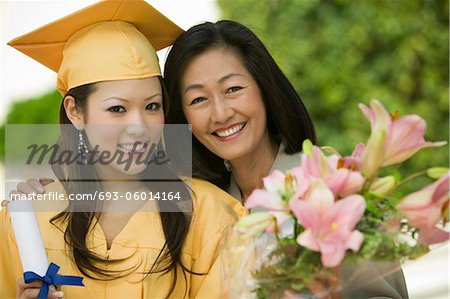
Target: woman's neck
[(121, 190), (249, 172)]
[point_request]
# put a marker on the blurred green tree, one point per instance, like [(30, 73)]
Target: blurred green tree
[(43, 109), (341, 52)]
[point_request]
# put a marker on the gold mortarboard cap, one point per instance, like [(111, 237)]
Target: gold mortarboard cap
[(110, 40)]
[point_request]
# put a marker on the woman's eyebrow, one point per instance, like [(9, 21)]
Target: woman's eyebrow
[(221, 80), (193, 86), (226, 77), (125, 100)]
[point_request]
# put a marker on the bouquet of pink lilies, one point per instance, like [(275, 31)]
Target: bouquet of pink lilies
[(342, 208)]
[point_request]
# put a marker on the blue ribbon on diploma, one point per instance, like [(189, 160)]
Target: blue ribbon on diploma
[(51, 278)]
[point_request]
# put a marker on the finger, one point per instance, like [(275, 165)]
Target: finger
[(25, 188), (34, 284), (56, 295), (36, 185), (327, 284), (319, 290), (333, 281), (53, 293), (46, 181), (288, 294), (30, 293)]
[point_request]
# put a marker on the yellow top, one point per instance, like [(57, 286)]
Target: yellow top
[(213, 212)]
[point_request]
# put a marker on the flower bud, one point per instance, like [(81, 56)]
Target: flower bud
[(437, 172), (307, 148), (382, 186), (254, 224)]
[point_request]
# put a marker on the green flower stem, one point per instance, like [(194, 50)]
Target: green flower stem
[(367, 184), (408, 179), (302, 256), (296, 228), (276, 230), (375, 219)]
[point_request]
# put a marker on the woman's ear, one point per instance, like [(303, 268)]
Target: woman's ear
[(74, 113)]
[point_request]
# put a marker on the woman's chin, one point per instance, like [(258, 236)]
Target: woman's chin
[(133, 170)]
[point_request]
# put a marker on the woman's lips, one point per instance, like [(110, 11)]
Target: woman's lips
[(133, 148), (229, 132)]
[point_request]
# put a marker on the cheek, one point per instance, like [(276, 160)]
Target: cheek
[(198, 119), (99, 117), (155, 126), (103, 135), (262, 116), (256, 107), (160, 119)]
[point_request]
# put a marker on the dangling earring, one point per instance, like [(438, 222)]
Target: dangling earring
[(227, 165), (82, 149)]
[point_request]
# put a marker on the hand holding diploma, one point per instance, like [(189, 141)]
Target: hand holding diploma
[(31, 290), (37, 271)]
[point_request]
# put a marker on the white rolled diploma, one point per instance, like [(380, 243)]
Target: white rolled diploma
[(28, 236)]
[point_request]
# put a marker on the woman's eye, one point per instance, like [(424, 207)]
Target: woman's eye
[(153, 106), (198, 100), (116, 109), (234, 89)]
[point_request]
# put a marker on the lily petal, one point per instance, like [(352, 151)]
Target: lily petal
[(308, 240), (265, 199), (274, 183), (305, 213), (354, 241)]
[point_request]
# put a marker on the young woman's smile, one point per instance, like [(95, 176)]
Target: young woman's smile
[(126, 117)]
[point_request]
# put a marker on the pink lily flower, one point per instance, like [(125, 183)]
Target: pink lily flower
[(302, 183), (354, 162), (424, 208), (342, 181), (329, 226), (380, 122), (393, 139), (406, 137), (319, 195), (270, 196)]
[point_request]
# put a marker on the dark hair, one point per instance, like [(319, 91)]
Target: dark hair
[(175, 223), (288, 120)]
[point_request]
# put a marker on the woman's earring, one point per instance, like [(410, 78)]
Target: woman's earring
[(82, 149), (227, 165)]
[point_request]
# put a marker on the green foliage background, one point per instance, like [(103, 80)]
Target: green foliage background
[(42, 109), (338, 53)]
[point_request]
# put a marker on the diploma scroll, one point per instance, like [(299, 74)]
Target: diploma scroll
[(28, 237)]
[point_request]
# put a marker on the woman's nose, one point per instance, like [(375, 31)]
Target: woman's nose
[(136, 129), (221, 110), (136, 124)]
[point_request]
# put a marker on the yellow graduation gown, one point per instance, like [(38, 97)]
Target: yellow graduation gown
[(214, 211)]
